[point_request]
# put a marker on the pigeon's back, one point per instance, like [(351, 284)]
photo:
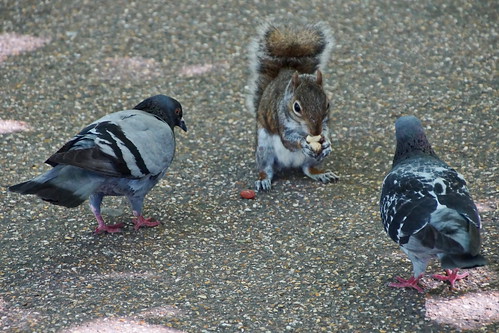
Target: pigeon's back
[(146, 139), (129, 144), (415, 189)]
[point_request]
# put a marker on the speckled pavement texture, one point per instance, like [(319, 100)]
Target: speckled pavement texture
[(305, 257)]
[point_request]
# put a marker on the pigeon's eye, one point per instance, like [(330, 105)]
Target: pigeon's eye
[(178, 112), (297, 107)]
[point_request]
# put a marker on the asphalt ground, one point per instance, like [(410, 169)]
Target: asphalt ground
[(305, 257)]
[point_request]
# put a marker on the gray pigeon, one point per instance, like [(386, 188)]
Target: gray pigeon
[(124, 153), (426, 208)]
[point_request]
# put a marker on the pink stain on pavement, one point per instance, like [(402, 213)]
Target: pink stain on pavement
[(465, 312), (486, 205), (194, 70), (10, 126), (130, 68), (14, 44), (135, 324), (16, 319), (123, 325)]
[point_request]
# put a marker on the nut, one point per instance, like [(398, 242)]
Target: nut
[(316, 146), (314, 142), (248, 194), (311, 139)]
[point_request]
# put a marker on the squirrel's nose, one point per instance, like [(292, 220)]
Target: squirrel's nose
[(316, 131)]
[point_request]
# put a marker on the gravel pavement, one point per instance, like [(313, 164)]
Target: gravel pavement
[(305, 257)]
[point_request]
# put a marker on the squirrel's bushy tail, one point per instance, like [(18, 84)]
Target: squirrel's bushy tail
[(303, 48)]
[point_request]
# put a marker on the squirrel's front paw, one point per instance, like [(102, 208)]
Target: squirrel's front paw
[(264, 185), (307, 149), (326, 150)]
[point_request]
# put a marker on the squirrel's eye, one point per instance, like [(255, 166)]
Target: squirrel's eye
[(327, 106), (297, 107)]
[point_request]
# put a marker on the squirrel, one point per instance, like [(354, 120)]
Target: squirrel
[(291, 106)]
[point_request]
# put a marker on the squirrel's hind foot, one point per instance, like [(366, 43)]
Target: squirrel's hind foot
[(320, 175)]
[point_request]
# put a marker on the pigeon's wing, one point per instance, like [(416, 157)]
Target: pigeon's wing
[(406, 205), (411, 194), (451, 191), (129, 144)]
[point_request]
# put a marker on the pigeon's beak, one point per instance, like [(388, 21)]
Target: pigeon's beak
[(182, 125)]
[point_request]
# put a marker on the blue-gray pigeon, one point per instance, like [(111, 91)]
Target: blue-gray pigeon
[(426, 208), (124, 153)]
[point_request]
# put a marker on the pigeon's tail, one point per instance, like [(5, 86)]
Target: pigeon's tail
[(64, 185), (450, 261), (459, 239), (50, 192)]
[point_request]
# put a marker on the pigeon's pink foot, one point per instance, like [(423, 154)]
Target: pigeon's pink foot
[(452, 276), (112, 228), (141, 221), (410, 283), (103, 227)]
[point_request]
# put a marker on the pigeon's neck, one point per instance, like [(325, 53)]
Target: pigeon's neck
[(410, 148), (163, 116)]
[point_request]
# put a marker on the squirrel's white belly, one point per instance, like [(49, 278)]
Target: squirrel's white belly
[(286, 158), (283, 157)]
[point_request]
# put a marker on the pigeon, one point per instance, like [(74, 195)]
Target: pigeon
[(426, 208), (124, 153)]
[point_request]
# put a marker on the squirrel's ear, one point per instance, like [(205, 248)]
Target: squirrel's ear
[(296, 80), (319, 77)]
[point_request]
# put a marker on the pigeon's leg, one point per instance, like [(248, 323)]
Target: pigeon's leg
[(452, 276), (139, 220), (320, 175), (95, 202), (413, 282)]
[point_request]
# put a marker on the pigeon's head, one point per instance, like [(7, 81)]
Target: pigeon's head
[(408, 128), (165, 107), (411, 138)]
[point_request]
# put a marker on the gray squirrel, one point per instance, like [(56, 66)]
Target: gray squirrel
[(288, 98)]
